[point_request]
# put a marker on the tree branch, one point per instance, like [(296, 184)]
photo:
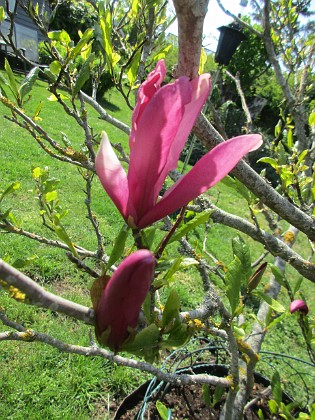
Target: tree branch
[(255, 183), (40, 297), (190, 16), (8, 227), (104, 115), (94, 351)]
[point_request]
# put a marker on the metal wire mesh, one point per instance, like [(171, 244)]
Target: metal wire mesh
[(297, 375)]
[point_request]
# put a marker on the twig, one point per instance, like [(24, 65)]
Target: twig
[(264, 393), (81, 266), (40, 297), (236, 79), (168, 236), (31, 335), (104, 115), (10, 228), (92, 217)]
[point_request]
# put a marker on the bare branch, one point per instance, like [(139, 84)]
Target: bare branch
[(8, 227), (236, 79), (239, 21), (40, 297), (104, 115), (184, 379), (280, 205)]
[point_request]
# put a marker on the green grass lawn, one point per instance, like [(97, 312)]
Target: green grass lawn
[(37, 381)]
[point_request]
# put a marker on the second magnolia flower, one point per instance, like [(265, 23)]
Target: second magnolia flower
[(161, 122)]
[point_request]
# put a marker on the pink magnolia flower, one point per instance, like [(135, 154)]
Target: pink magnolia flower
[(161, 122), (120, 303), (299, 305)]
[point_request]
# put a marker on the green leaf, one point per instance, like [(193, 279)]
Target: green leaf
[(302, 156), (61, 36), (276, 387), (24, 262), (276, 306), (273, 406), (199, 219), (171, 309), (290, 138), (162, 53), (36, 172), (134, 8), (311, 119), (51, 76), (242, 251), (62, 234), (145, 343), (188, 262), (6, 214), (244, 191), (119, 246), (179, 335), (276, 321), (55, 67), (105, 23), (148, 235), (238, 332), (206, 395), (11, 189), (86, 51), (83, 75), (12, 82), (297, 285), (278, 128), (218, 393), (51, 184), (228, 181), (54, 98), (28, 83), (133, 68), (81, 44), (278, 274), (272, 162), (173, 269), (2, 14), (51, 196), (146, 306), (36, 116), (260, 414), (3, 82), (164, 412), (203, 60), (233, 278)]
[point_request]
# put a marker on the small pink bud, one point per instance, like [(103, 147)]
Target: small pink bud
[(299, 305)]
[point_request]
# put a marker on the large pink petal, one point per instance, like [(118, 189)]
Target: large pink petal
[(208, 171), (154, 137), (200, 91), (121, 300), (112, 175), (146, 91)]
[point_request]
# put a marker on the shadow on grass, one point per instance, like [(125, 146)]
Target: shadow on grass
[(105, 103)]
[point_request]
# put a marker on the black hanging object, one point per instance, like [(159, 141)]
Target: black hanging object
[(230, 38)]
